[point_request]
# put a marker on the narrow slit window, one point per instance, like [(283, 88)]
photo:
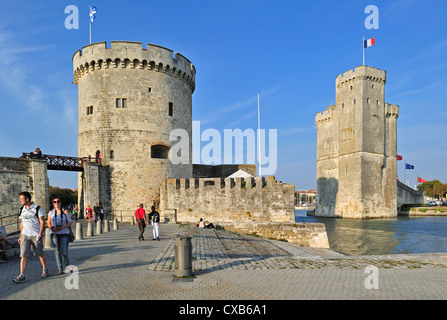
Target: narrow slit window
[(367, 100), (89, 110), (118, 103), (171, 109), (354, 101), (112, 154), (124, 103), (149, 89)]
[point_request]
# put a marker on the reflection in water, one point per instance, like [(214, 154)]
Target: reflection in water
[(383, 236)]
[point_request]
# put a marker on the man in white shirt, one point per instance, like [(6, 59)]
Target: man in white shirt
[(32, 226)]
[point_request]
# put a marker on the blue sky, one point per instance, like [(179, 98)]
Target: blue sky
[(288, 51)]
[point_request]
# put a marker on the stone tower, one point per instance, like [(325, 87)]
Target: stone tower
[(130, 99), (356, 149)]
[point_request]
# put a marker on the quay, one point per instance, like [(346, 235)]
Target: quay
[(226, 266)]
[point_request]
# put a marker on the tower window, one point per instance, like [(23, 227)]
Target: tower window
[(372, 86), (171, 109), (89, 110), (159, 152), (112, 154), (121, 102), (354, 101), (367, 100), (350, 88), (342, 105), (378, 102), (149, 89)]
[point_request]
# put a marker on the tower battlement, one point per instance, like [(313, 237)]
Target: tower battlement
[(325, 116), (128, 54), (361, 73), (391, 110)]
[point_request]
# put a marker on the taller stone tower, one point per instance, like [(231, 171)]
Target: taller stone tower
[(130, 99), (356, 149)]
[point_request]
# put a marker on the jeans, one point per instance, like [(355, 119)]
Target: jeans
[(155, 229), (60, 244)]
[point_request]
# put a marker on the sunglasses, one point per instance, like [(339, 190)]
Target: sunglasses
[(57, 201)]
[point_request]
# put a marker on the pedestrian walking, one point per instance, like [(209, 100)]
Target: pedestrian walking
[(89, 213), (154, 216), (101, 213), (140, 216), (97, 212), (74, 213), (32, 225), (59, 223)]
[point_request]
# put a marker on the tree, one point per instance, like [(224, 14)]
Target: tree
[(439, 190), (426, 186), (67, 196)]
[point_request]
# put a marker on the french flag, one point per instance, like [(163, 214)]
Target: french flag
[(369, 42)]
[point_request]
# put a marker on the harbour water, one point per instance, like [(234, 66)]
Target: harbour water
[(383, 236)]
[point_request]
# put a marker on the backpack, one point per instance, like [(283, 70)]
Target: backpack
[(156, 217), (37, 211)]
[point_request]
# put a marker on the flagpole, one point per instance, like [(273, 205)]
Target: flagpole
[(90, 23), (259, 140), (405, 173), (363, 45)]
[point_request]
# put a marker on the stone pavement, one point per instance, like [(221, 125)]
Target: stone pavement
[(227, 266)]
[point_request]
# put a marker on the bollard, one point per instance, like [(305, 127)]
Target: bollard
[(182, 256), (47, 243), (133, 220), (106, 225), (90, 229), (79, 235), (98, 227), (115, 224)]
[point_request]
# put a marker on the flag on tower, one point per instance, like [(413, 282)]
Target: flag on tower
[(399, 157), (409, 166), (369, 42), (420, 180), (92, 13)]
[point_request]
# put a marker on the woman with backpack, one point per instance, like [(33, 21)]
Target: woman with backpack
[(59, 224)]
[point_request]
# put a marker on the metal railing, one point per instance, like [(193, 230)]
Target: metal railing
[(62, 162)]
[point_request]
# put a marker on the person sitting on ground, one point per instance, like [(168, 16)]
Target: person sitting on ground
[(3, 242), (201, 224)]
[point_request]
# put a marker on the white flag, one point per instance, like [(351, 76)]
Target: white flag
[(92, 13)]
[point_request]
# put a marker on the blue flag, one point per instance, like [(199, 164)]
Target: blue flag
[(92, 13), (408, 166)]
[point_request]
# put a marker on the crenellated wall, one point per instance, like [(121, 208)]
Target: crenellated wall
[(220, 200), (131, 55)]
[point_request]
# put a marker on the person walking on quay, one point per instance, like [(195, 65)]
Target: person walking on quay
[(97, 211), (32, 225), (74, 213), (154, 216), (59, 223), (89, 213), (140, 216)]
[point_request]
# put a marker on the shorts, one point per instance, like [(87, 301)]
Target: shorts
[(27, 243)]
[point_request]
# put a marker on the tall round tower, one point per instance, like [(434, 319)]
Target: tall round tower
[(130, 99)]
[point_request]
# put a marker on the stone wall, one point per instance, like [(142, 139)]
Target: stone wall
[(305, 234), (407, 195), (17, 175), (227, 200)]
